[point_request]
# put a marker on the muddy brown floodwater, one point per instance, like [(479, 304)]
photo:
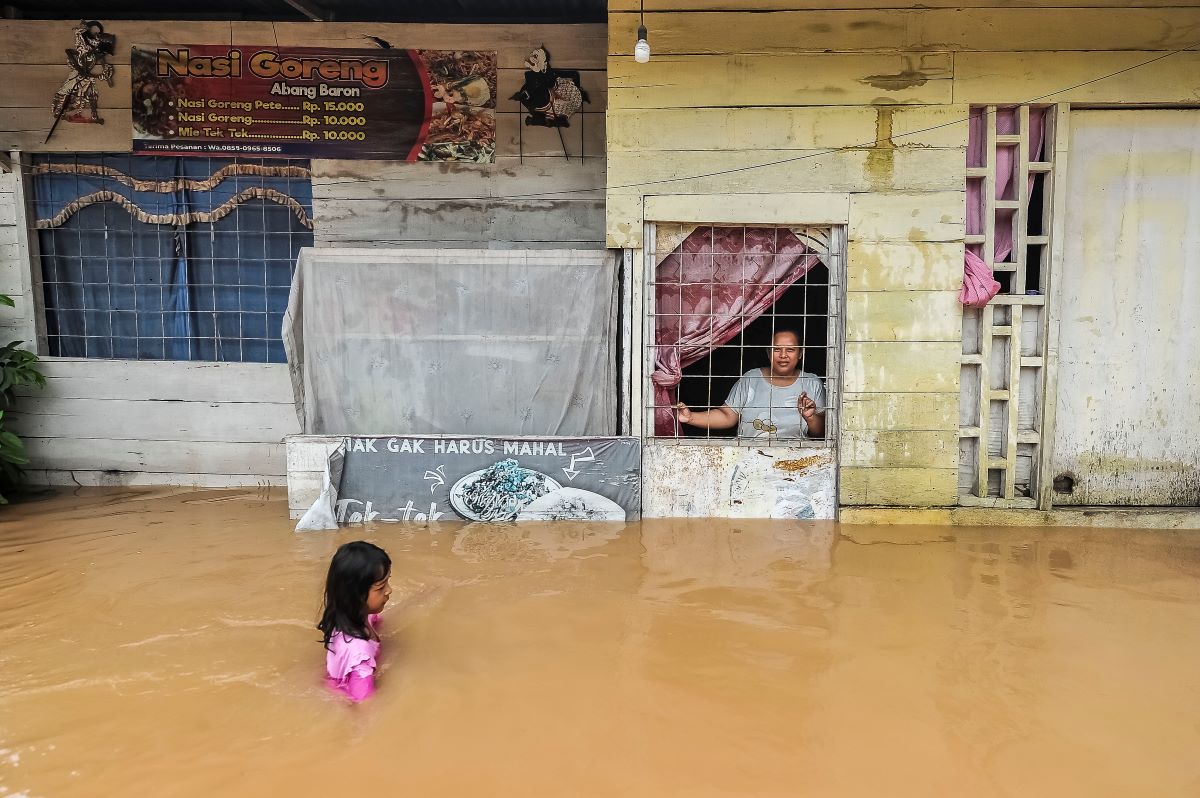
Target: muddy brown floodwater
[(160, 643)]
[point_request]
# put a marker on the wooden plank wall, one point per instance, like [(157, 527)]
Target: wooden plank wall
[(106, 422), (16, 279), (531, 197), (873, 104), (120, 422), (13, 321)]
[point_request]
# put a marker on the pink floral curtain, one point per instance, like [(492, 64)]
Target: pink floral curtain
[(978, 284), (707, 290)]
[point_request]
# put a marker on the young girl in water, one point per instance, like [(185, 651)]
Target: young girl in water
[(356, 591)]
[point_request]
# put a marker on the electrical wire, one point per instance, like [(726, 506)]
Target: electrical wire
[(808, 155)]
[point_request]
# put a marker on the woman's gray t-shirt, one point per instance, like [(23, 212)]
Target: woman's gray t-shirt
[(767, 410)]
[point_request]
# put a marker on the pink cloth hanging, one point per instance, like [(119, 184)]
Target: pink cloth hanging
[(707, 290), (979, 286)]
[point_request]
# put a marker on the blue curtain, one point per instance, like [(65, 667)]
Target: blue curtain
[(117, 287), (179, 306)]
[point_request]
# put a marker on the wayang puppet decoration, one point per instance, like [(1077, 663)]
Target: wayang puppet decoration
[(552, 96), (76, 100)]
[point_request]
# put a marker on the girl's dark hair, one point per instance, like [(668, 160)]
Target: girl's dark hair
[(355, 567)]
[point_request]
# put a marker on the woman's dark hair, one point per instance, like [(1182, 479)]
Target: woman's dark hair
[(793, 333), (355, 567)]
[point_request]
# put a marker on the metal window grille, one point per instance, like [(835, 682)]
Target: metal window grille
[(1003, 357), (810, 306), (116, 286)]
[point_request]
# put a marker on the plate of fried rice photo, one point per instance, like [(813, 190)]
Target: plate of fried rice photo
[(572, 504), (499, 492)]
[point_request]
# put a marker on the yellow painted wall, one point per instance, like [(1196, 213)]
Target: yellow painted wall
[(741, 83)]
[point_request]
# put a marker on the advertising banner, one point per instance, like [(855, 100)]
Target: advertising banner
[(298, 102), (421, 479)]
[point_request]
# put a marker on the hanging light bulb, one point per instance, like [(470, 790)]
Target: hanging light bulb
[(641, 50)]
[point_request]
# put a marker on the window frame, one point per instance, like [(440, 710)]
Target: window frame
[(33, 257), (996, 345), (643, 407)]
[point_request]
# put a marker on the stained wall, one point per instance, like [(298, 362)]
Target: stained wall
[(776, 112)]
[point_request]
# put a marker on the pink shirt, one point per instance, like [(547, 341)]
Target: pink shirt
[(350, 663)]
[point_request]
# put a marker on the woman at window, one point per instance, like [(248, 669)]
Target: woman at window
[(777, 401)]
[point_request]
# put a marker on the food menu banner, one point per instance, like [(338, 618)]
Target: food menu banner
[(420, 479), (297, 102)]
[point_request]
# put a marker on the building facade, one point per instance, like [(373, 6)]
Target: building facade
[(105, 421), (1067, 131), (858, 157)]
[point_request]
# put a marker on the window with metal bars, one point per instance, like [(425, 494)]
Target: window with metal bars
[(159, 258), (742, 340)]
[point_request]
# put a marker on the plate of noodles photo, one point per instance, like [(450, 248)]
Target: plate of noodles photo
[(572, 504), (499, 492)]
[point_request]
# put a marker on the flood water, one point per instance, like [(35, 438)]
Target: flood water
[(161, 643)]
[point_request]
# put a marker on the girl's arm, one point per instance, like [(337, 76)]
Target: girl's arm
[(360, 683)]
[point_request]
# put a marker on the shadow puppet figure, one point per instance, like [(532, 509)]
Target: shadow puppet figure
[(552, 96), (76, 100)]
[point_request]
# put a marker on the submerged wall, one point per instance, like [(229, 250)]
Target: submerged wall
[(714, 480), (129, 422), (857, 117)]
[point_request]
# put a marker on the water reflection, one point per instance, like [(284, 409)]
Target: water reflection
[(481, 542), (759, 573)]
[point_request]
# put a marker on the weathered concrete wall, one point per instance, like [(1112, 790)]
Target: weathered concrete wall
[(729, 481), (1128, 395), (868, 524), (770, 97), (307, 456)]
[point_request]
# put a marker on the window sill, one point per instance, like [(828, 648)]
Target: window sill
[(748, 443)]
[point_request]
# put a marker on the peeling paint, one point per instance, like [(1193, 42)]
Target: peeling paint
[(798, 466), (730, 481)]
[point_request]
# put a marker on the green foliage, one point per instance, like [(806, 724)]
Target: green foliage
[(17, 370), (12, 459)]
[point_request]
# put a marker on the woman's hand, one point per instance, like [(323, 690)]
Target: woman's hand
[(683, 413), (806, 406)]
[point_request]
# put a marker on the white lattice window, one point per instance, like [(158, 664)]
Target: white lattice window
[(1010, 171)]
